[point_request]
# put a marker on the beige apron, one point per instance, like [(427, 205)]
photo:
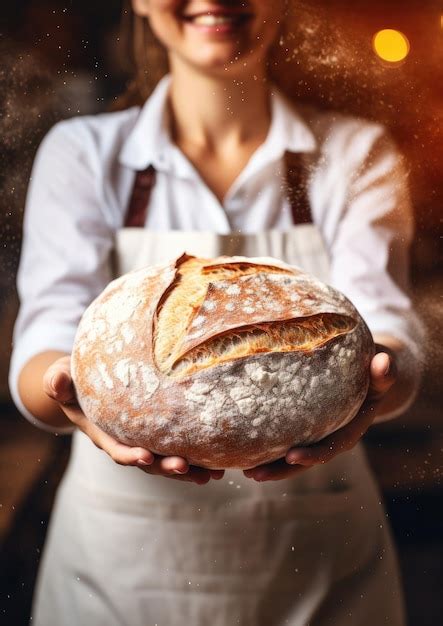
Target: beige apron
[(128, 549)]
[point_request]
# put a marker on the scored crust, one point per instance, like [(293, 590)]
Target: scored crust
[(227, 361), (187, 338)]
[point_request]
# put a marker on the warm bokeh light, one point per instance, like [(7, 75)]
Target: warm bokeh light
[(391, 45)]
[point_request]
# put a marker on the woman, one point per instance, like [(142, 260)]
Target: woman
[(216, 161)]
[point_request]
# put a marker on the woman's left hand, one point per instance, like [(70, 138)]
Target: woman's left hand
[(382, 377)]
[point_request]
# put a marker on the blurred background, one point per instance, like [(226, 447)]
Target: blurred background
[(60, 59)]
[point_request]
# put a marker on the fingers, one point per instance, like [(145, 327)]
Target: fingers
[(178, 469), (277, 470), (58, 385), (217, 474), (342, 440), (382, 377), (122, 454), (318, 453), (170, 465)]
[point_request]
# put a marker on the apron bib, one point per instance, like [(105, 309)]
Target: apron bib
[(128, 549)]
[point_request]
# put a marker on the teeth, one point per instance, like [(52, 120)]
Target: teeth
[(213, 20)]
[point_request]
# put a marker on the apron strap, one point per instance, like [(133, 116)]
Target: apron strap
[(140, 196), (296, 189)]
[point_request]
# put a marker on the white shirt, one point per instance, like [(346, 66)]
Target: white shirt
[(82, 178)]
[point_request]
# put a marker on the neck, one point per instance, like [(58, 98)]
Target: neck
[(210, 112)]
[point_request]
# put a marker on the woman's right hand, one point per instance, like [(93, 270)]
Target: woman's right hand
[(58, 385)]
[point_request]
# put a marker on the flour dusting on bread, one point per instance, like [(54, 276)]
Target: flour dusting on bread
[(227, 361)]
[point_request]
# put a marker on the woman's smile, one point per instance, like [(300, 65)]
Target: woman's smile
[(218, 18)]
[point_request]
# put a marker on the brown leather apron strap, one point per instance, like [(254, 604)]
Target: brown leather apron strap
[(296, 189), (140, 196)]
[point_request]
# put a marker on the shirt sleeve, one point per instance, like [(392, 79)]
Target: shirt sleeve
[(370, 250), (64, 262)]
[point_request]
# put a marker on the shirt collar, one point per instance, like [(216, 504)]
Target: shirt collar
[(149, 142)]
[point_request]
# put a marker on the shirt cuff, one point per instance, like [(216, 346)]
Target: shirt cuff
[(34, 341)]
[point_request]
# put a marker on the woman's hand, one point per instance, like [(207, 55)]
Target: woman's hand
[(58, 385), (383, 376)]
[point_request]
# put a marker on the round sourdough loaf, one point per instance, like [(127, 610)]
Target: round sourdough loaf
[(227, 362)]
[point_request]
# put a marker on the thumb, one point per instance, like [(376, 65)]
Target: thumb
[(382, 374), (59, 386)]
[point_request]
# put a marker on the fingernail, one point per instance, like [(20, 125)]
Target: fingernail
[(142, 462)]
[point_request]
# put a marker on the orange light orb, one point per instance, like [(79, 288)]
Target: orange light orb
[(391, 45)]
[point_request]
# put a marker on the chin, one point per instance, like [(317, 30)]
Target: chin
[(219, 62)]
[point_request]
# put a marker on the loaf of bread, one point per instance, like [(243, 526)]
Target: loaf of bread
[(227, 362)]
